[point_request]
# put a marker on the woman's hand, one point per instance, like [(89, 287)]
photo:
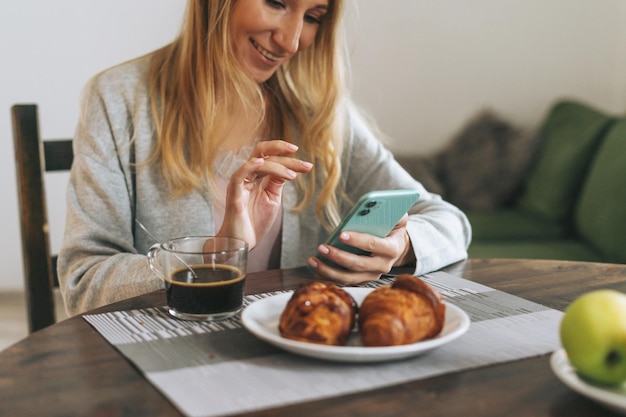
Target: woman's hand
[(254, 192), (393, 250)]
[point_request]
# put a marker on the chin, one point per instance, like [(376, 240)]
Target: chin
[(262, 78)]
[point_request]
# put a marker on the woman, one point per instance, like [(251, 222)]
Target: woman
[(241, 127)]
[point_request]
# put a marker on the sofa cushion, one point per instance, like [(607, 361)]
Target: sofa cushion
[(571, 134), (562, 249), (601, 209), (486, 162), (423, 169), (510, 224)]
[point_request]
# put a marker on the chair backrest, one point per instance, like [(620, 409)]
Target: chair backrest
[(34, 157)]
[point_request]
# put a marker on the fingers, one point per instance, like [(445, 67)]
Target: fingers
[(266, 149), (350, 268), (347, 267), (258, 171), (340, 274), (271, 159), (248, 173), (377, 258), (251, 179), (281, 152)]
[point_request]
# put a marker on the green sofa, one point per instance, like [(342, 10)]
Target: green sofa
[(573, 202)]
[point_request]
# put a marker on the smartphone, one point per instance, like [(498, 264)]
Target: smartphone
[(375, 213)]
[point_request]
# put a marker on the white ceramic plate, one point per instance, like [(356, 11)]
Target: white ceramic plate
[(614, 398), (261, 319)]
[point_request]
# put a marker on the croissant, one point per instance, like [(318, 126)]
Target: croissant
[(319, 313), (405, 312)]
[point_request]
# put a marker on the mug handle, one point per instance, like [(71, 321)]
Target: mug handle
[(153, 261)]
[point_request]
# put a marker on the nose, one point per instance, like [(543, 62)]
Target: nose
[(287, 34)]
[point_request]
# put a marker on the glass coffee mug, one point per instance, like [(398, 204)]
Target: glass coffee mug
[(204, 275)]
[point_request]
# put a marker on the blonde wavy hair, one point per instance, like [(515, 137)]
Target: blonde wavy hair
[(198, 91)]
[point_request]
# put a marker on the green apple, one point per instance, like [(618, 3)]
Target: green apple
[(593, 333)]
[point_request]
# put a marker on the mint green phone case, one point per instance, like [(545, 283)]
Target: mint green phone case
[(376, 213)]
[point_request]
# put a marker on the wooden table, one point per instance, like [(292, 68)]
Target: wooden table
[(68, 369)]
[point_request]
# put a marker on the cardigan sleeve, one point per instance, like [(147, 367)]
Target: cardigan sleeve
[(98, 261)]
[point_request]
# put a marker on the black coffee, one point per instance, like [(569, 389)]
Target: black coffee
[(217, 289)]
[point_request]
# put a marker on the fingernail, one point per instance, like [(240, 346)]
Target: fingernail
[(323, 250), (292, 147), (344, 236), (312, 263), (291, 174), (307, 164), (258, 161)]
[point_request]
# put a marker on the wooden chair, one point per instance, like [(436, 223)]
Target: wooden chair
[(33, 158)]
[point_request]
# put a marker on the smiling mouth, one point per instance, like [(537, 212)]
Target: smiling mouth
[(267, 54)]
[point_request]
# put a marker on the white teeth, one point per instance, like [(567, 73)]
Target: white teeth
[(265, 53)]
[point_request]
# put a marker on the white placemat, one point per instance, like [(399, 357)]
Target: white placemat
[(210, 369)]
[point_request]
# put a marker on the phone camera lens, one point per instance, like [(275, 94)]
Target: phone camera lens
[(371, 204), (364, 212)]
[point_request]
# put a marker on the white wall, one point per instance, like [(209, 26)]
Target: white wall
[(49, 50), (421, 68)]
